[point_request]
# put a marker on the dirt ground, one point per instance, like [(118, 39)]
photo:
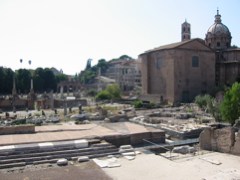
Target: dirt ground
[(84, 171)]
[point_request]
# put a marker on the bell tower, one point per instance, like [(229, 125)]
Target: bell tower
[(186, 31)]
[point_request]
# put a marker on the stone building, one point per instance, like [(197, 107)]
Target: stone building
[(219, 38), (178, 72), (126, 73)]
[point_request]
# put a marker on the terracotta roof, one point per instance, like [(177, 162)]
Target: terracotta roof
[(173, 45)]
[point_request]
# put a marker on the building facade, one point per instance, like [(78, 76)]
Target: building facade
[(126, 73), (178, 72)]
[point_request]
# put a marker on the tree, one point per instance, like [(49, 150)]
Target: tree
[(61, 77), (49, 80), (209, 104), (203, 101), (103, 95), (88, 66), (126, 57), (111, 92), (1, 80), (38, 80), (6, 80), (230, 107), (114, 91), (103, 65), (23, 82)]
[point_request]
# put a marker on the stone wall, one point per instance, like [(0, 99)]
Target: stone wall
[(70, 103), (168, 71), (157, 136), (6, 104), (222, 140), (17, 129)]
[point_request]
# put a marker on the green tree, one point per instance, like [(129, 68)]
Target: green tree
[(203, 101), (38, 80), (1, 80), (126, 57), (23, 80), (230, 106), (209, 104), (103, 65), (87, 76), (49, 80), (7, 80), (111, 92), (114, 91), (88, 66), (103, 95), (61, 77)]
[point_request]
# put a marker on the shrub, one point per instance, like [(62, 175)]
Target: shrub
[(203, 101), (103, 95), (138, 104), (230, 107)]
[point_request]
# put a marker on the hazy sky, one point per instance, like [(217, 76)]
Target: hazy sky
[(65, 33)]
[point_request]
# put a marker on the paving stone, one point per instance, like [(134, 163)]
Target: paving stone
[(83, 159), (62, 162)]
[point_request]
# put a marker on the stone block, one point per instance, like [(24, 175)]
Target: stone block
[(46, 145), (82, 143), (206, 139), (83, 159), (236, 148), (10, 148), (225, 138), (62, 162), (137, 138)]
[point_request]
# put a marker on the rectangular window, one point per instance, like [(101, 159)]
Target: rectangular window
[(159, 63), (195, 61)]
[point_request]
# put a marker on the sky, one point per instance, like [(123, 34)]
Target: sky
[(65, 33)]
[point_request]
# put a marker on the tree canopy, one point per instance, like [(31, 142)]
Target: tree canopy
[(43, 80), (230, 107), (90, 72), (111, 92)]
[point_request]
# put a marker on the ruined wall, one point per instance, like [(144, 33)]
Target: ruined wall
[(6, 104), (17, 129), (221, 140)]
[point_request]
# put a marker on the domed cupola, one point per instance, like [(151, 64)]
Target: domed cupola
[(218, 36)]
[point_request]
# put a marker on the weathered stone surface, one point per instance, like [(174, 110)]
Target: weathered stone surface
[(62, 162), (206, 139), (82, 143), (222, 140), (183, 149), (118, 118), (225, 139), (237, 123), (17, 129), (236, 147), (83, 159)]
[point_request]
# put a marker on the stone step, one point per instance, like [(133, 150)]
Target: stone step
[(11, 165), (58, 155), (52, 152), (53, 159), (43, 147)]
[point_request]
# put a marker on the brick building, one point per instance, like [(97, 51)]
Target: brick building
[(178, 72)]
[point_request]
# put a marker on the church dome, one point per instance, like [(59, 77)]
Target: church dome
[(219, 29), (218, 35)]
